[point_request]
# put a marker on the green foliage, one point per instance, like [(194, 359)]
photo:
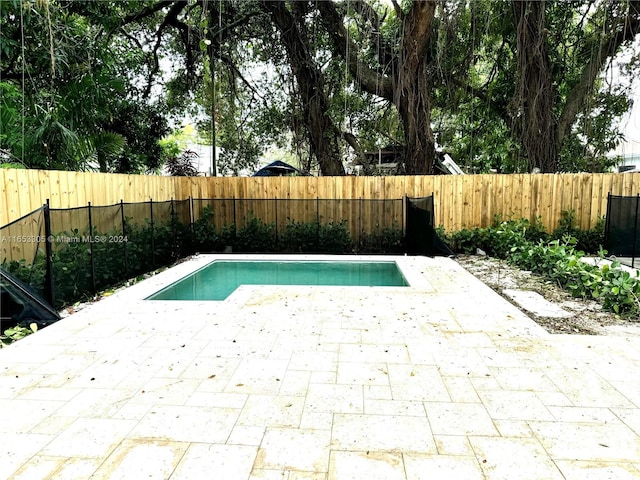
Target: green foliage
[(205, 237), (255, 236), (558, 258), (16, 333), (33, 274), (315, 237), (495, 240), (80, 107), (475, 100), (498, 239), (10, 127), (388, 240), (334, 238), (204, 233), (586, 240), (71, 268), (300, 237), (183, 164), (618, 290)]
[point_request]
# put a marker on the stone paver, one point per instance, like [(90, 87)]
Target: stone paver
[(444, 379), (535, 303)]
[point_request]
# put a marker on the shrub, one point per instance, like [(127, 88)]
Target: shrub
[(255, 236), (589, 241), (496, 240), (300, 237), (334, 238), (314, 237), (386, 240), (558, 258)]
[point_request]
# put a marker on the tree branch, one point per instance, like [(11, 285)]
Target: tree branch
[(398, 10), (146, 12), (371, 17), (370, 80), (171, 19), (237, 73), (624, 31), (351, 139)]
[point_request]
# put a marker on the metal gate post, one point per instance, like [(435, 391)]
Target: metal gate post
[(124, 236), (607, 222), (635, 233), (49, 290), (153, 243), (91, 238)]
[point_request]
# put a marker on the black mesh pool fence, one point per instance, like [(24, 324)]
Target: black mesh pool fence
[(622, 228), (73, 253)]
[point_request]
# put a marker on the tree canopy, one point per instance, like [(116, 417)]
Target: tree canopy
[(505, 85)]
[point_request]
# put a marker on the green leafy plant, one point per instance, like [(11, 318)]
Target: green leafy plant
[(300, 237), (255, 236), (586, 240), (382, 240), (205, 238), (334, 238), (16, 333), (557, 257), (557, 260), (618, 290)]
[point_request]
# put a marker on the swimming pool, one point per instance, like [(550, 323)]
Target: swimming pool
[(220, 278)]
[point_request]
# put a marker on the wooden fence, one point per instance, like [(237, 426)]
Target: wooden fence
[(461, 201)]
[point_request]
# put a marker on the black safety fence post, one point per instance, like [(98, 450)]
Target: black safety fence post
[(275, 210), (607, 222), (91, 260), (124, 236), (235, 221), (360, 227), (405, 221), (318, 221), (635, 233), (49, 291), (192, 231), (433, 210), (153, 244), (175, 249)]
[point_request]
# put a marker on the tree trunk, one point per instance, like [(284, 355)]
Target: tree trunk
[(533, 118), (409, 89), (412, 89), (322, 132)]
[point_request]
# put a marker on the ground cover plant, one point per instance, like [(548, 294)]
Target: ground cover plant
[(558, 257), (16, 333)]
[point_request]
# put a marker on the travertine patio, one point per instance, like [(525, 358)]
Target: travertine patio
[(441, 380)]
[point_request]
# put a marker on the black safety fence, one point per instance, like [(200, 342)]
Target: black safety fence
[(622, 228), (67, 255), (420, 231), (23, 245)]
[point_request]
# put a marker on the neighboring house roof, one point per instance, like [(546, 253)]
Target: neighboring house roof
[(279, 169)]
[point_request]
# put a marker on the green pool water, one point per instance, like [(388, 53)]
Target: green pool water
[(220, 278)]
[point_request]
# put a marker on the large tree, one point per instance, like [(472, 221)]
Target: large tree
[(290, 19), (540, 117), (70, 93), (399, 73), (535, 95), (507, 84)]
